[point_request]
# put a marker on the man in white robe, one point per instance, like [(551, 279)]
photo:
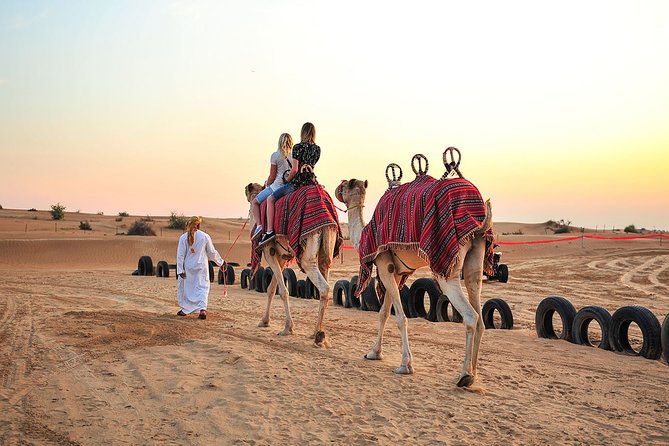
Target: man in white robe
[(194, 251)]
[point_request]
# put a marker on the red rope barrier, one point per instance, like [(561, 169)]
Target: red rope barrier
[(595, 237)]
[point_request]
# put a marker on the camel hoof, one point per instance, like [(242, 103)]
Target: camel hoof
[(285, 332), (466, 381), (404, 370), (319, 337), (263, 324), (373, 356)]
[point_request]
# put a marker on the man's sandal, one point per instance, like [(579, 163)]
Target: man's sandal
[(181, 313), (203, 314)]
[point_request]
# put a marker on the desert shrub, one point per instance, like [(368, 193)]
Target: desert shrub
[(85, 225), (118, 219), (32, 210), (559, 227), (57, 211), (140, 227), (0, 206), (177, 221), (123, 214), (101, 213), (147, 219), (631, 228)]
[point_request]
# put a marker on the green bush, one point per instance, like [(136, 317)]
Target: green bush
[(32, 210), (631, 228), (85, 225), (177, 221), (140, 227), (0, 206), (123, 214), (561, 226), (57, 211)]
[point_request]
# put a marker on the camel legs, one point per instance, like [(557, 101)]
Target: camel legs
[(316, 265), (392, 298), (277, 264), (471, 260)]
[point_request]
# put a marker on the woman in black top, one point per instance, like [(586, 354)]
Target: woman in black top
[(305, 155)]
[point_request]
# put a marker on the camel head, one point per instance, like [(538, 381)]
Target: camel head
[(251, 190), (351, 192)]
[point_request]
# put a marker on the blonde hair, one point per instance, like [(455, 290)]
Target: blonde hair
[(308, 133), (192, 226), (285, 144)]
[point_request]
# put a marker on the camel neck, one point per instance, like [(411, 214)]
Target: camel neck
[(355, 225)]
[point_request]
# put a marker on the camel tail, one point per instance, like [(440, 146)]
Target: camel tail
[(487, 221)]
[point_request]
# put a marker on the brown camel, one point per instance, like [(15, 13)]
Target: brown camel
[(395, 264), (315, 260)]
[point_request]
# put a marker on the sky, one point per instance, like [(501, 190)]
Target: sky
[(560, 109)]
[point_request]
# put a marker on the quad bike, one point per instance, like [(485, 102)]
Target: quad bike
[(501, 271)]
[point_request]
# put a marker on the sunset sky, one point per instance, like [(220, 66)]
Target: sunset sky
[(560, 109)]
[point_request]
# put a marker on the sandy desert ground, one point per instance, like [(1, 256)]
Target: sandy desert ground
[(93, 355)]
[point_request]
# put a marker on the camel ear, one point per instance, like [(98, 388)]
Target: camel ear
[(365, 184), (248, 187), (351, 183)]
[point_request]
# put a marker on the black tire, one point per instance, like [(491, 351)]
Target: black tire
[(267, 278), (544, 317), (442, 309), (647, 322), (229, 274), (665, 338), (311, 290), (258, 279), (443, 303), (340, 292), (499, 305), (404, 295), (355, 300), (162, 269), (220, 277), (245, 278), (301, 285), (290, 279), (502, 273), (369, 301), (404, 298), (417, 295), (582, 321), (211, 270), (145, 266)]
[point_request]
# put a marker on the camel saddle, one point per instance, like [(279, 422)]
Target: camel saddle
[(297, 215), (434, 217)]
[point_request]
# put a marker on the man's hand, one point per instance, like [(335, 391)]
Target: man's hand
[(182, 275)]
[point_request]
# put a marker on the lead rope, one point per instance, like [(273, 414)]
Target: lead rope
[(225, 273)]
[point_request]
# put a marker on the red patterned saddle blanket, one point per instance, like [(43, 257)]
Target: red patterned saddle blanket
[(302, 212), (434, 217)]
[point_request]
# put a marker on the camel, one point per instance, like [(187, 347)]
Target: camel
[(315, 260), (395, 265)]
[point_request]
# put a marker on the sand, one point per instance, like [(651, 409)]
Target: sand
[(93, 355)]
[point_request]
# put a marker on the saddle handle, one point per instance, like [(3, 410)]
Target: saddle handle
[(419, 158), (454, 164), (393, 168)]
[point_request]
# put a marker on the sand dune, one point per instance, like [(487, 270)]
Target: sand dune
[(93, 355)]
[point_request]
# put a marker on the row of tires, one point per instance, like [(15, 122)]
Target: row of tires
[(162, 269), (614, 327), (412, 298)]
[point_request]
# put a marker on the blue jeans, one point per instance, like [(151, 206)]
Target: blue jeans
[(262, 196), (283, 190)]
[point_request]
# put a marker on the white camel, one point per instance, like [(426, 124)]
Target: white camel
[(315, 260), (392, 265)]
